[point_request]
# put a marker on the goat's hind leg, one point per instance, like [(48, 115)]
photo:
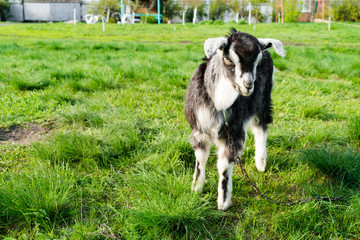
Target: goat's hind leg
[(260, 136), (201, 150)]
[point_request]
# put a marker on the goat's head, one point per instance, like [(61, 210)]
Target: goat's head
[(241, 53)]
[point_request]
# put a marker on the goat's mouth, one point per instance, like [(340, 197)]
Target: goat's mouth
[(244, 91)]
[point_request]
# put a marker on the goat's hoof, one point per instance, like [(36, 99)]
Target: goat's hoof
[(261, 168), (196, 188), (224, 206), (260, 164)]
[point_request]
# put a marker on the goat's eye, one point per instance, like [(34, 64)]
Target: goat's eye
[(228, 62)]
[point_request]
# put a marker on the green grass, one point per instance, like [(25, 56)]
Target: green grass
[(354, 128), (341, 164), (116, 162), (173, 210), (45, 196)]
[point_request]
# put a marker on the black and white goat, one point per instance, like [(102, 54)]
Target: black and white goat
[(234, 83)]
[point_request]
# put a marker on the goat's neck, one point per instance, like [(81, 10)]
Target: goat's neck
[(218, 85)]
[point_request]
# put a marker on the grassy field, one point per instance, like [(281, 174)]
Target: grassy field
[(94, 141)]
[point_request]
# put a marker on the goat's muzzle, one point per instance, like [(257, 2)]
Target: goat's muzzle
[(244, 88), (245, 84)]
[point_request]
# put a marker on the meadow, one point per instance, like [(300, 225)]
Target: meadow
[(94, 141)]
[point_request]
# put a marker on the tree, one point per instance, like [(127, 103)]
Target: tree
[(217, 9), (291, 11), (192, 15), (4, 8), (195, 4), (183, 4), (255, 10), (171, 9), (108, 7), (148, 4), (238, 8)]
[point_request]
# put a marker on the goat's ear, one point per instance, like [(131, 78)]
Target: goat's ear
[(233, 30), (213, 44), (269, 42)]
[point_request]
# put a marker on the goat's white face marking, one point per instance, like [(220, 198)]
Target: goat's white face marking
[(257, 61), (233, 56), (244, 82)]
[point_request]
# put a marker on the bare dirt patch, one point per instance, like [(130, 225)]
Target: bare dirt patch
[(23, 134), (185, 42), (294, 44), (163, 42)]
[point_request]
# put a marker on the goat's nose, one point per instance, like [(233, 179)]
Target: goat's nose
[(248, 85)]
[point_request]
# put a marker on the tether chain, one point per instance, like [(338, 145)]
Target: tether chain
[(267, 198)]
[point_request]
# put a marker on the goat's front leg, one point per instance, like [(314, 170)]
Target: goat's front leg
[(260, 136), (201, 155), (225, 166)]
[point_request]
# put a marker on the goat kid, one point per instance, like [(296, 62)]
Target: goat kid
[(234, 81)]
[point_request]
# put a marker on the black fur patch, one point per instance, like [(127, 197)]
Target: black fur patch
[(199, 145), (224, 183), (197, 171)]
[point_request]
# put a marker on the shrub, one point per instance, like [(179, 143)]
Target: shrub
[(112, 20), (212, 22), (291, 11), (148, 19), (208, 22), (258, 15), (218, 22), (255, 13), (242, 21), (347, 11)]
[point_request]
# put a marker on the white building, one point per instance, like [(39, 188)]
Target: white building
[(48, 10)]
